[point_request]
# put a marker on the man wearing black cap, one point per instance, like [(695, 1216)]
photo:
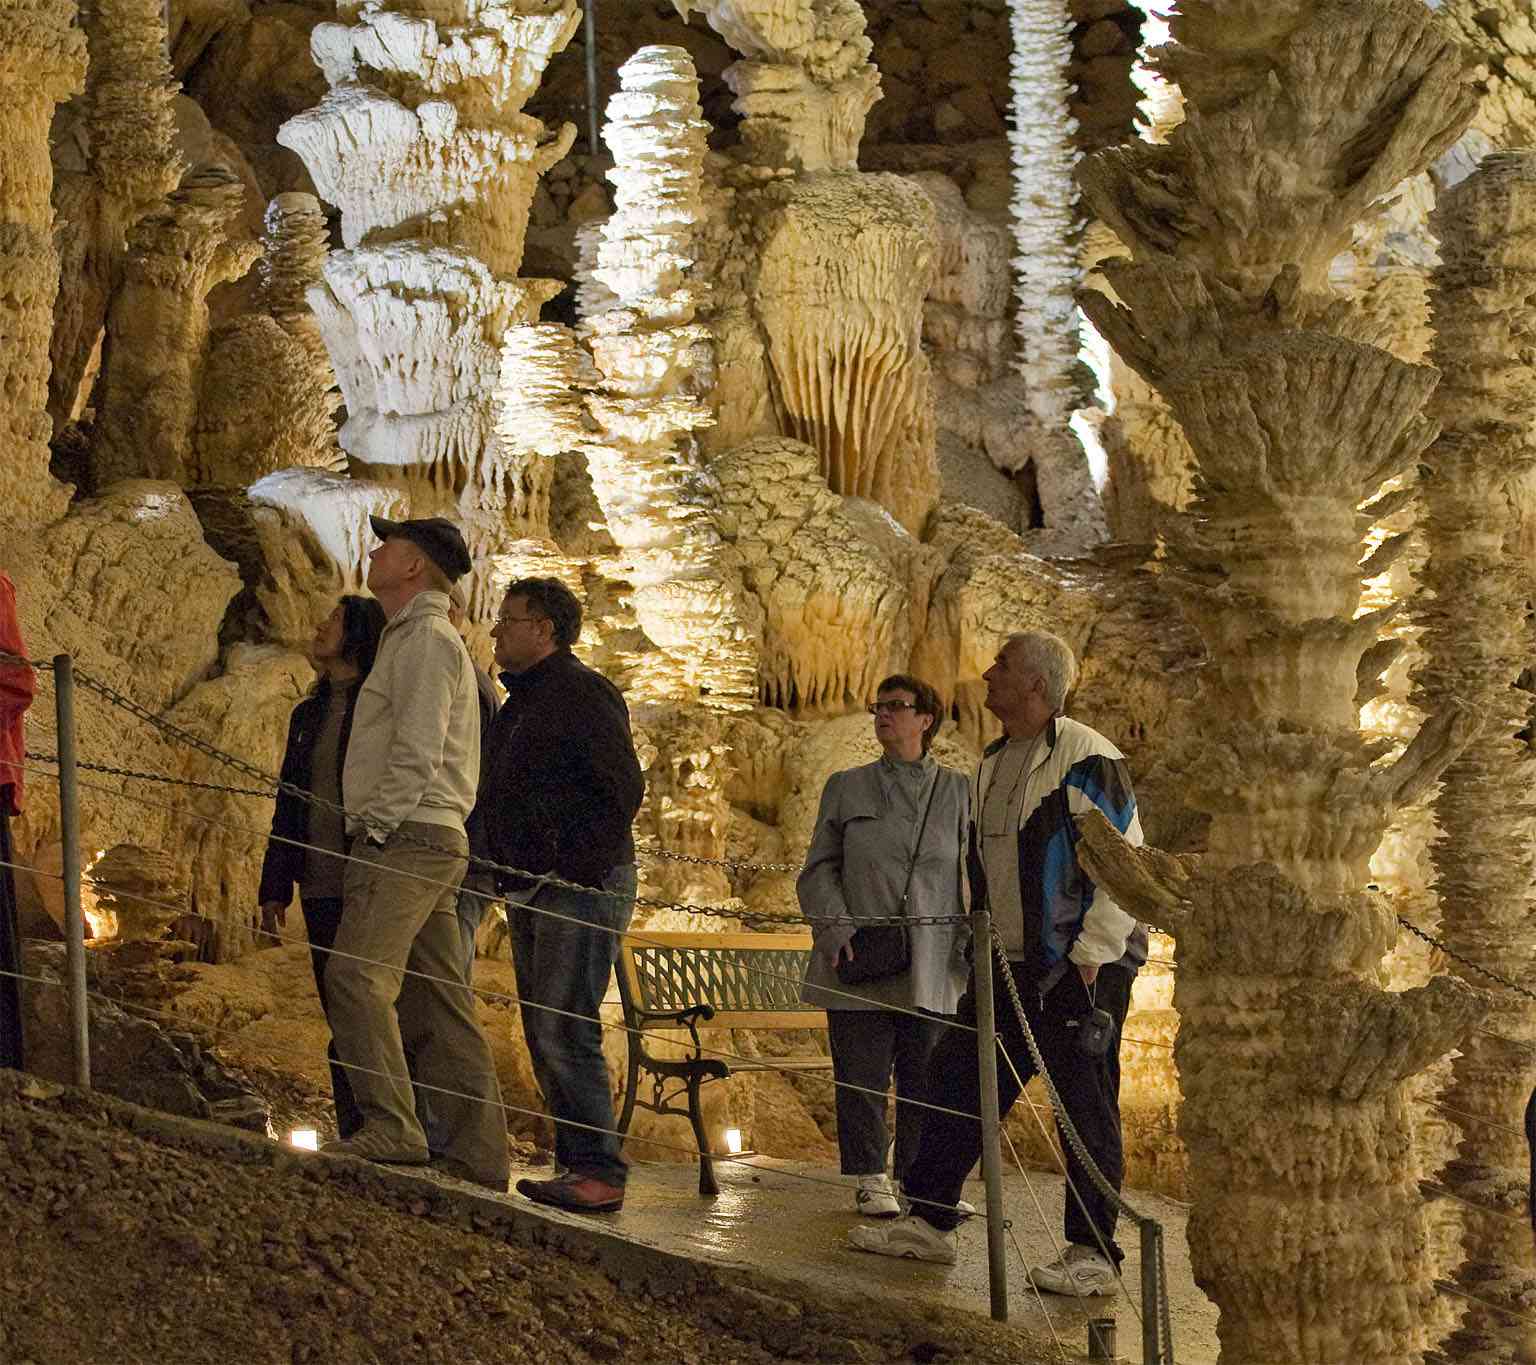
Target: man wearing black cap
[(412, 765)]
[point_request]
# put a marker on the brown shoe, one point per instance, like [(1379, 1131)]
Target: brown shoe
[(574, 1193)]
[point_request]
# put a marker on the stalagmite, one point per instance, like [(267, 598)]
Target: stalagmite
[(268, 395), (131, 163), (1477, 640), (422, 144), (806, 83), (1307, 1229), (1044, 223), (42, 60), (655, 362), (157, 329)]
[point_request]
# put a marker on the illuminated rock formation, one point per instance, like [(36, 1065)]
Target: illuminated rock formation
[(42, 59), (806, 83), (655, 362), (1046, 260), (1311, 1248), (422, 145), (1477, 641)]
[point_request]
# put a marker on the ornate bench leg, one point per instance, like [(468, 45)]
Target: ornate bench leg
[(631, 1084), (708, 1185)]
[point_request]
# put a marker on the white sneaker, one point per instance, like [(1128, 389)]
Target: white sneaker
[(910, 1238), (1080, 1272), (876, 1197)]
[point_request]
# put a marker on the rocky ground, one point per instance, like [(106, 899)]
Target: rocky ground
[(131, 1237)]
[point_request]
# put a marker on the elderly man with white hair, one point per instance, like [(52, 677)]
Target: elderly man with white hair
[(1073, 954)]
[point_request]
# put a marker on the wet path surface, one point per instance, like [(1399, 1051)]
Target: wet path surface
[(766, 1217)]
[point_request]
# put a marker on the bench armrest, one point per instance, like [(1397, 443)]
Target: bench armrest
[(689, 1018)]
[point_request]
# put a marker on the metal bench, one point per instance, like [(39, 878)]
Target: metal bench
[(727, 981)]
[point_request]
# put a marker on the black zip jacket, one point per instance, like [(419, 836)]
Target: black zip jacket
[(562, 784), (283, 866)]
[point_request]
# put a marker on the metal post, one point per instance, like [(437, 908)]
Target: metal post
[(991, 1125), (69, 826), (1151, 1255), (593, 145)]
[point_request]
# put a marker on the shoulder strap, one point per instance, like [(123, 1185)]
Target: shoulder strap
[(917, 844)]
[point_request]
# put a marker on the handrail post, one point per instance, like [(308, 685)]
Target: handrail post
[(69, 834), (991, 1125), (594, 145), (1151, 1308)]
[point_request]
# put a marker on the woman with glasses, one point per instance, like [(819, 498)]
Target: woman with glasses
[(342, 652), (889, 845)]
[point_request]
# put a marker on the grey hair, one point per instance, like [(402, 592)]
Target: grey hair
[(1051, 657)]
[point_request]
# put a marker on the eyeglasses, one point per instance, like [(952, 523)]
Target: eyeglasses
[(891, 708), (508, 620)]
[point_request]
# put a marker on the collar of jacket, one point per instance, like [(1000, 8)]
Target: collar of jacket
[(998, 744), (530, 677), (428, 603)]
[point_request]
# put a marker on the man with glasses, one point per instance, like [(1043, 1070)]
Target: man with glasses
[(560, 791), (1073, 954)]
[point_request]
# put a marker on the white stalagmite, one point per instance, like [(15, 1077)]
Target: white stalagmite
[(655, 362), (1048, 273), (422, 144)]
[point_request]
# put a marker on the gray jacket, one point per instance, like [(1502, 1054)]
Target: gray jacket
[(857, 866), (414, 751)]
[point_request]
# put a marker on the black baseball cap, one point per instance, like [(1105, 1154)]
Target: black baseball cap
[(436, 537)]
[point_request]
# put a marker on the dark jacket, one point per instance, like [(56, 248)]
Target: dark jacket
[(283, 866), (561, 785)]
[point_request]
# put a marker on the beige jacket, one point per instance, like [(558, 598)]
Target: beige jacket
[(414, 753)]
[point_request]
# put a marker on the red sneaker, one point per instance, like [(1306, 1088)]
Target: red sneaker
[(574, 1193)]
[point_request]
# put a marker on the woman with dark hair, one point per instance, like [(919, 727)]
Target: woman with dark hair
[(342, 651), (889, 843)]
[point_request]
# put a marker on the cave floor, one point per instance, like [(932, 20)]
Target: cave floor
[(766, 1216)]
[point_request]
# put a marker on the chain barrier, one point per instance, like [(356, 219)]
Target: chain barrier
[(1069, 1131), (751, 918)]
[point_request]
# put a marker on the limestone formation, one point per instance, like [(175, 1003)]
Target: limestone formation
[(843, 268), (42, 59), (422, 144), (130, 164), (805, 84), (1477, 639), (655, 363), (1312, 1251), (268, 395), (157, 330), (1044, 214)]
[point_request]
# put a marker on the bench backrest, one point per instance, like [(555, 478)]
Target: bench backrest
[(751, 980)]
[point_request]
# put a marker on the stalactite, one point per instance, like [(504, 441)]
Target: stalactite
[(1045, 227), (42, 61), (1308, 1230), (1477, 641)]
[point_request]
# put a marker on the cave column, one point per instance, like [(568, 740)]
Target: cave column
[(1477, 639), (42, 63)]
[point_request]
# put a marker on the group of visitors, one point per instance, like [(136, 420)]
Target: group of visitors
[(416, 770), (413, 766)]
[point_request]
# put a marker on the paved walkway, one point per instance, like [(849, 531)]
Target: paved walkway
[(767, 1216)]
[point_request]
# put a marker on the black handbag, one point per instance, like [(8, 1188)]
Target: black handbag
[(882, 950)]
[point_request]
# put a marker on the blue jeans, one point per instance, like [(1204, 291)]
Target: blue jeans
[(567, 967)]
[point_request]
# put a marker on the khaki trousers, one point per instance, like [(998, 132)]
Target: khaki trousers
[(398, 918)]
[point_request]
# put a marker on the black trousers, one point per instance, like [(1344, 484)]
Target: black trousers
[(10, 948), (865, 1045), (322, 917), (1089, 1089)]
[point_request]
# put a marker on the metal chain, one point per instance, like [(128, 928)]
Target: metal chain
[(1466, 962), (734, 864), (752, 918)]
